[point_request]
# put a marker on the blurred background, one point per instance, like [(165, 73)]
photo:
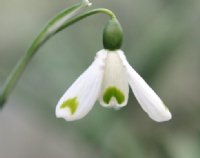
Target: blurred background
[(161, 41)]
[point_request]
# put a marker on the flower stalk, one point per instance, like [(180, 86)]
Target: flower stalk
[(57, 24)]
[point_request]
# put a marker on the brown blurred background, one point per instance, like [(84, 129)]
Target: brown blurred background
[(161, 41)]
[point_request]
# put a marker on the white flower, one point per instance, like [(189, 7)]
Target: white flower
[(107, 79)]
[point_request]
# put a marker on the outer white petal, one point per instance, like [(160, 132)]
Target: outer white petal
[(148, 99), (114, 91), (85, 90)]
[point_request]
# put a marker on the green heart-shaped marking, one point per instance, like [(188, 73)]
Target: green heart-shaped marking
[(70, 103), (113, 92)]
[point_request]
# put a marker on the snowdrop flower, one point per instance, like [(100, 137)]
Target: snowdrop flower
[(107, 79)]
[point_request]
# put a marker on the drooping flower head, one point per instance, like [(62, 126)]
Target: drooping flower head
[(107, 79)]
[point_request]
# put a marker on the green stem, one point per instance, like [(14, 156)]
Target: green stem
[(43, 36), (89, 13), (53, 27)]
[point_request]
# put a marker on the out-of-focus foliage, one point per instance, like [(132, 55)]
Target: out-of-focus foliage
[(162, 42)]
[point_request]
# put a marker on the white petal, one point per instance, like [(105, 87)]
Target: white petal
[(114, 91), (83, 93), (148, 99)]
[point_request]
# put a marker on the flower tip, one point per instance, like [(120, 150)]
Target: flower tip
[(168, 115), (65, 114), (165, 116)]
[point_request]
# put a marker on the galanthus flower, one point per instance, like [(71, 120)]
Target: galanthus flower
[(107, 79)]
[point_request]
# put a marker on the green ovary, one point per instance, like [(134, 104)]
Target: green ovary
[(113, 92), (71, 103)]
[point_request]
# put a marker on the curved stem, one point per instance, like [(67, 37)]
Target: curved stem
[(56, 25), (89, 13), (43, 36)]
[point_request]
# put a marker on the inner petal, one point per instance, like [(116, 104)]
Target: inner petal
[(114, 91)]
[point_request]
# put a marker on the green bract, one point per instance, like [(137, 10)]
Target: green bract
[(112, 35)]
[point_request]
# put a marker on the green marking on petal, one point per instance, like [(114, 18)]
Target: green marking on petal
[(113, 92), (71, 103)]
